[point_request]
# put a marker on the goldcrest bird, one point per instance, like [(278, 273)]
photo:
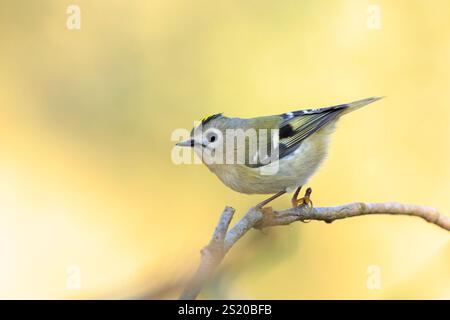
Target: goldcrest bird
[(299, 139)]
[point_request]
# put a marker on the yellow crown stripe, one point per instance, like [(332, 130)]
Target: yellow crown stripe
[(206, 117), (210, 117)]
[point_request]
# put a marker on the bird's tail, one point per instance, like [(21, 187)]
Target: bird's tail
[(352, 106)]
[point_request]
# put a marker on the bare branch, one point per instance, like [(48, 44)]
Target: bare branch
[(251, 218), (212, 255), (329, 214), (223, 239)]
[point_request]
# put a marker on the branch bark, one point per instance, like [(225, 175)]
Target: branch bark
[(223, 240)]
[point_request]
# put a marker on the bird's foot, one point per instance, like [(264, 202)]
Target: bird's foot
[(305, 200)]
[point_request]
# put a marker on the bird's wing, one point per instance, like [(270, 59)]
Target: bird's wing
[(296, 126), (293, 128)]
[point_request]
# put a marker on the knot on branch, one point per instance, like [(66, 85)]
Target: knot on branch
[(270, 217), (214, 250)]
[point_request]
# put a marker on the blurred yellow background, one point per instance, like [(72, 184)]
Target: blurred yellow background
[(93, 207)]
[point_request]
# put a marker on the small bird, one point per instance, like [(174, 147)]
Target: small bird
[(300, 140)]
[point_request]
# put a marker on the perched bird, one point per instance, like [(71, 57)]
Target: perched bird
[(299, 139)]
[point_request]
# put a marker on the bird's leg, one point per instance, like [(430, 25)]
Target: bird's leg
[(294, 199), (262, 204), (306, 200)]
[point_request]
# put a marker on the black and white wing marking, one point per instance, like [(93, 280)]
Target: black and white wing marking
[(296, 126)]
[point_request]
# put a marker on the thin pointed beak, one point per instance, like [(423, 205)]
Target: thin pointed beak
[(186, 143)]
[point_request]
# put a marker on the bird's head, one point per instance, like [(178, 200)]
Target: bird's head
[(223, 140), (208, 134)]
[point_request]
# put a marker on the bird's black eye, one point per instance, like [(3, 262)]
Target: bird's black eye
[(212, 138)]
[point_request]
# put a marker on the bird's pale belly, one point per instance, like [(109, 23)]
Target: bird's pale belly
[(283, 175)]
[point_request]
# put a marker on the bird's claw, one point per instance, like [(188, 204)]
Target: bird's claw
[(306, 200)]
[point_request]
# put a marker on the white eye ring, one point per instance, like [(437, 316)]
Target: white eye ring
[(212, 136)]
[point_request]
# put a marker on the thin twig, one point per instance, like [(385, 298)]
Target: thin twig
[(223, 241)]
